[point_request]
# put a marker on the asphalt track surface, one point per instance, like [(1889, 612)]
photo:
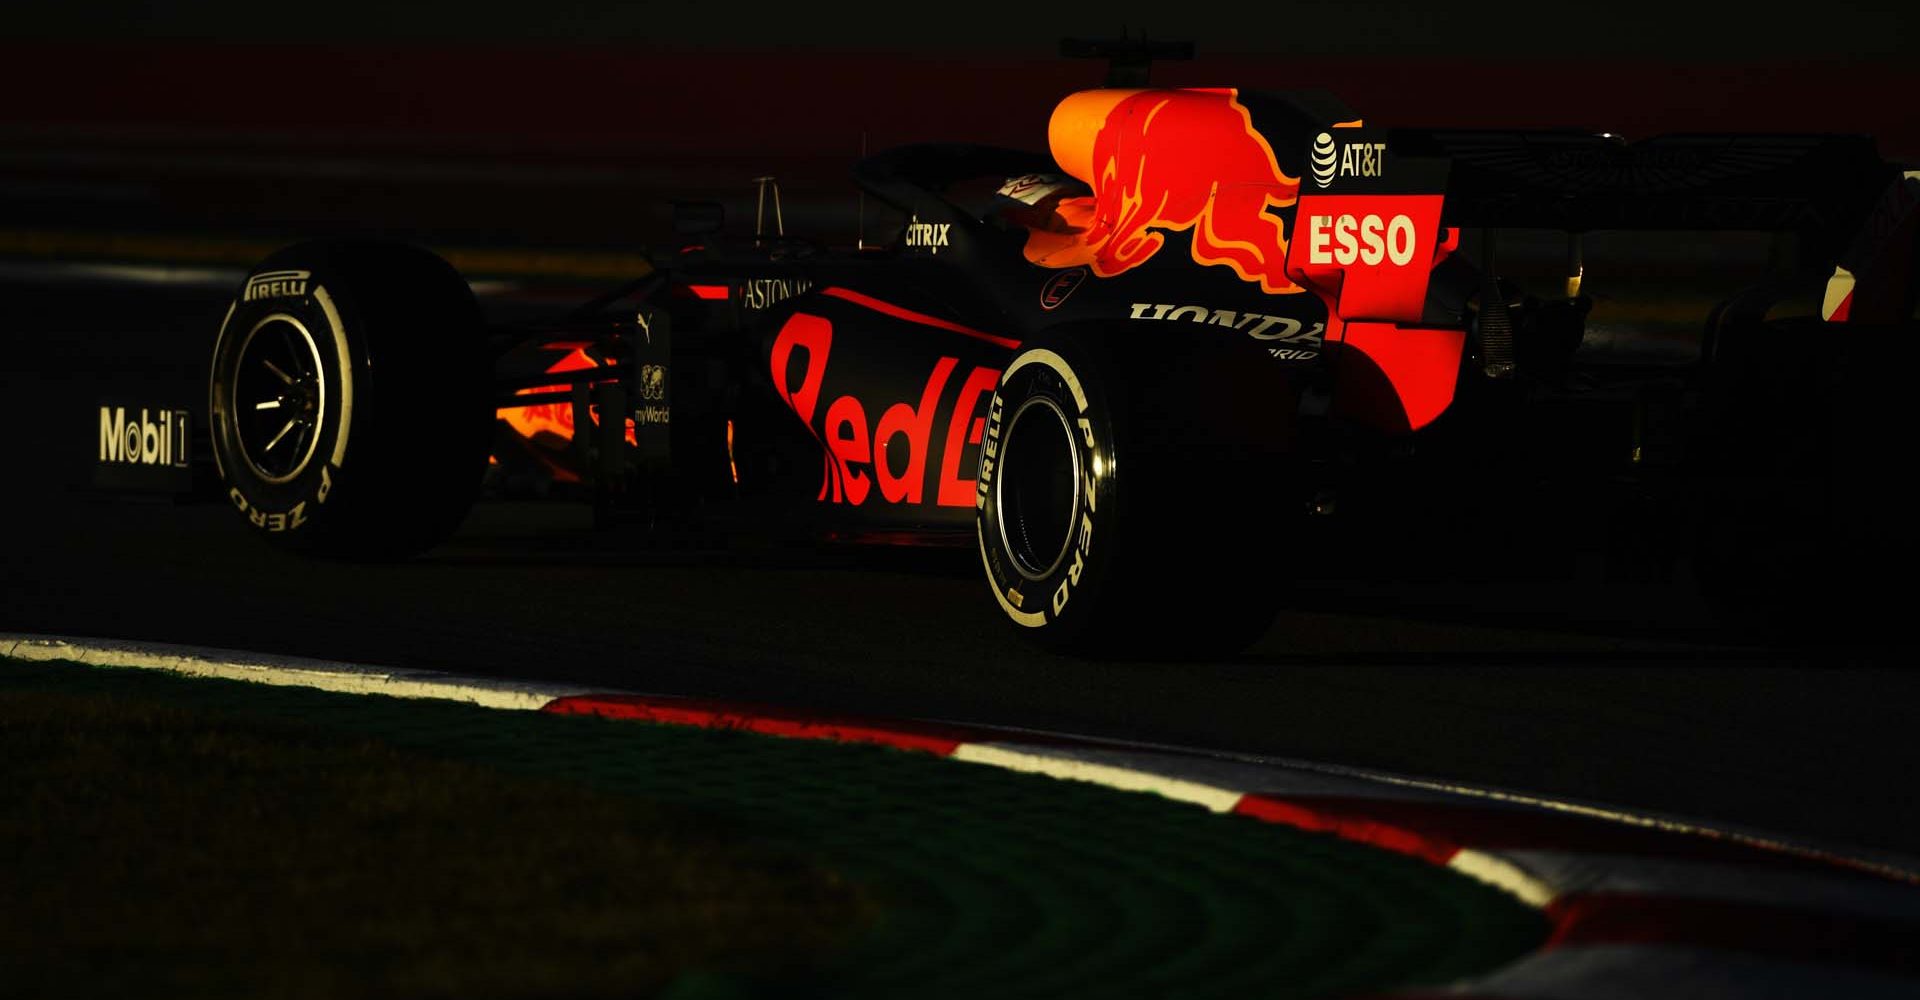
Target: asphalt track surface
[(1543, 683)]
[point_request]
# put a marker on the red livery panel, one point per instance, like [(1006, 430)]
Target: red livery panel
[(1368, 254), (879, 448)]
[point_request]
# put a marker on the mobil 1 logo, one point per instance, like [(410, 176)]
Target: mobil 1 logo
[(143, 447)]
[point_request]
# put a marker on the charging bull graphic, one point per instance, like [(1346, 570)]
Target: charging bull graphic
[(1166, 161)]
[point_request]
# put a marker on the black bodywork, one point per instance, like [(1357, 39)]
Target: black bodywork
[(1727, 231)]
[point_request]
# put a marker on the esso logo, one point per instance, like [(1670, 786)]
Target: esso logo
[(1344, 239)]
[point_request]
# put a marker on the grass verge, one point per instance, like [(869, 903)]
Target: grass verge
[(180, 837), (155, 850)]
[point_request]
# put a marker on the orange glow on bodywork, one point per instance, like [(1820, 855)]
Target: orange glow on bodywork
[(554, 419), (731, 465), (1419, 364), (1391, 372), (897, 312), (1167, 160)]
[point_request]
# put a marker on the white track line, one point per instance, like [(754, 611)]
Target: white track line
[(1889, 864), (288, 671), (1094, 766), (1589, 972), (1072, 768), (506, 694), (1129, 771), (1504, 875)]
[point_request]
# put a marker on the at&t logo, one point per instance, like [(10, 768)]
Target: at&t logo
[(1325, 159), (1331, 159)]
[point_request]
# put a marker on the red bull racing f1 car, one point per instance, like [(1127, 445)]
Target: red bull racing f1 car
[(1133, 372)]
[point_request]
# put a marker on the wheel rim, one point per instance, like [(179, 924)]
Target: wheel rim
[(1037, 488), (279, 398)]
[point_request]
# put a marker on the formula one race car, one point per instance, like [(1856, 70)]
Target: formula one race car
[(1134, 371)]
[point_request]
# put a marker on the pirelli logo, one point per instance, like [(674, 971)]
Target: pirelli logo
[(275, 285)]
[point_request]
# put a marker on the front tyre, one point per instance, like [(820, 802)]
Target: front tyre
[(1128, 505), (349, 399)]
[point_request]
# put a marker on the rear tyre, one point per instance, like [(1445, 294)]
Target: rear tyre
[(1130, 499), (349, 399)]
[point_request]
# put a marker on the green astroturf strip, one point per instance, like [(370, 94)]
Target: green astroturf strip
[(959, 880)]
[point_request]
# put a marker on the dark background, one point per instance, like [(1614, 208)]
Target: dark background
[(575, 124), (1714, 30), (567, 122)]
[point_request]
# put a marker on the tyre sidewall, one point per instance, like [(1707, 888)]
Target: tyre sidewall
[(1059, 606), (400, 456), (1184, 445), (288, 507)]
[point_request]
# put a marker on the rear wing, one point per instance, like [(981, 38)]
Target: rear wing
[(1379, 209), (1577, 181), (1854, 214)]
